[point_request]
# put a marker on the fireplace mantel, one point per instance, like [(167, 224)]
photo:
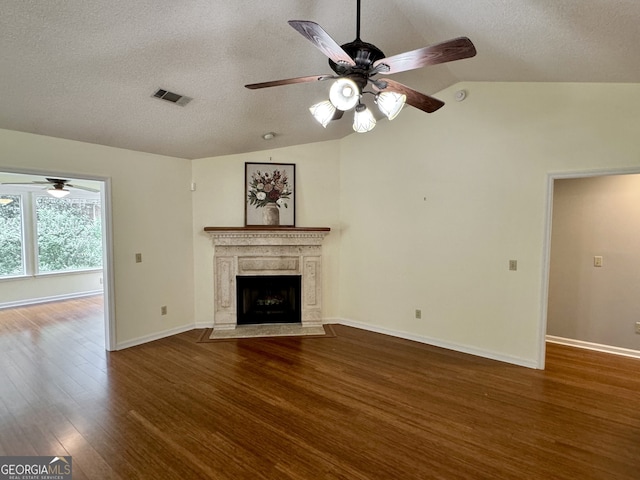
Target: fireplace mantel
[(255, 251), (224, 235), (267, 229)]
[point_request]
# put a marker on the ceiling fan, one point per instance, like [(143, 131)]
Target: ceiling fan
[(57, 188), (356, 65)]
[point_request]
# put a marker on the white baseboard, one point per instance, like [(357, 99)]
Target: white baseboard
[(626, 352), (364, 326), (154, 336), (523, 362), (54, 298)]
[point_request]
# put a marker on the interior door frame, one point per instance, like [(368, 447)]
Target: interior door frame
[(551, 178), (107, 243)]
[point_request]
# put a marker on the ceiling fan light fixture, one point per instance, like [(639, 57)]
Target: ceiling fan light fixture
[(323, 112), (390, 103), (363, 119), (58, 192), (344, 94)]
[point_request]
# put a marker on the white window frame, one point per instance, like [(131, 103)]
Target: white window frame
[(23, 244)]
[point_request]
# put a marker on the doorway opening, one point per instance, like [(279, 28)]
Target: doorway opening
[(592, 264), (57, 248)]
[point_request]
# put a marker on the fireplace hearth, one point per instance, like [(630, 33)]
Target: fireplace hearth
[(268, 299)]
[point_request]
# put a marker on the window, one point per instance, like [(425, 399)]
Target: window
[(11, 236), (69, 234), (42, 234)]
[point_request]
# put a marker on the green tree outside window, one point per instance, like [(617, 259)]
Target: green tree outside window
[(69, 234), (11, 262)]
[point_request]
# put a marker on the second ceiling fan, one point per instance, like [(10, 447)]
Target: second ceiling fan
[(58, 186), (356, 65)]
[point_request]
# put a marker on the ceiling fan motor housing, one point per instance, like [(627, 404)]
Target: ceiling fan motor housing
[(364, 55)]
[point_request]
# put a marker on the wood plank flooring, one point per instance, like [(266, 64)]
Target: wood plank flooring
[(357, 406)]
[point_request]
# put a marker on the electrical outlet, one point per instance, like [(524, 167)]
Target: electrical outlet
[(597, 261), (513, 265), (418, 313), (163, 310), (637, 327), (138, 258)]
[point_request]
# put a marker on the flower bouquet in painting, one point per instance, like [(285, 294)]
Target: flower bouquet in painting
[(265, 188), (270, 190)]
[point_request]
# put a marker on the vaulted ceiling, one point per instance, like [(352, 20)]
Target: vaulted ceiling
[(87, 69)]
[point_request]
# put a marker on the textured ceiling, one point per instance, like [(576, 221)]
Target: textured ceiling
[(86, 69)]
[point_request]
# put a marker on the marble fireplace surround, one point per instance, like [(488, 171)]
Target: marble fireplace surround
[(255, 251)]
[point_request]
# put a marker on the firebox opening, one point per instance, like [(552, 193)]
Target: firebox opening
[(269, 299)]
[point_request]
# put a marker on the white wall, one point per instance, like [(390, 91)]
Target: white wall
[(151, 215), (434, 207), (28, 290), (596, 216), (219, 202)]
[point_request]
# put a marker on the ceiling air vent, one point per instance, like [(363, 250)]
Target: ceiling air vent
[(172, 97)]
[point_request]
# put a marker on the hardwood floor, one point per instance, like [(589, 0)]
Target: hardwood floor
[(357, 406)]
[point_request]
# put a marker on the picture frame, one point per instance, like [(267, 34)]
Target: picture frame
[(269, 194)]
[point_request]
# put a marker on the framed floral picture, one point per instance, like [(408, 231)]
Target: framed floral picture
[(269, 194)]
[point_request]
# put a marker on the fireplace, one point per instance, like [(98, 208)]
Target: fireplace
[(242, 254), (268, 299)]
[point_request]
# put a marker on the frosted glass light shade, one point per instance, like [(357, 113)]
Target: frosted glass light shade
[(390, 103), (323, 112), (363, 119), (344, 94), (58, 192)]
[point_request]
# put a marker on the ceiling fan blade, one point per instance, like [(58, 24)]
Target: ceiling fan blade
[(80, 187), (50, 181), (414, 98), (288, 81), (23, 183), (448, 51), (321, 39)]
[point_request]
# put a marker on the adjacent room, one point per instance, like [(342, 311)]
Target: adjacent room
[(457, 215)]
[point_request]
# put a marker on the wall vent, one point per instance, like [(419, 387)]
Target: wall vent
[(172, 97)]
